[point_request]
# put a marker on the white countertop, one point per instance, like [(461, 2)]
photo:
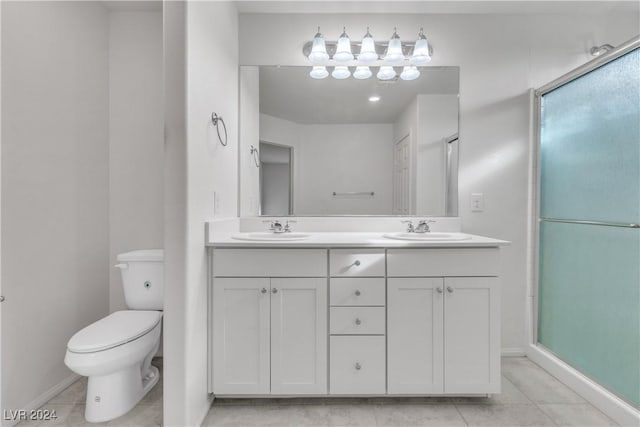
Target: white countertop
[(350, 240)]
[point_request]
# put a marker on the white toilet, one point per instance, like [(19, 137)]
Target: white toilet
[(116, 351)]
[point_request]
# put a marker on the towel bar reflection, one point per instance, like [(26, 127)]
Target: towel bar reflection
[(354, 193)]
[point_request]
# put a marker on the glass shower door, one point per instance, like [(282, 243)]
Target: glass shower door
[(589, 249)]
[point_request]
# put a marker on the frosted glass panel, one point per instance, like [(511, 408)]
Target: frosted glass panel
[(589, 302), (590, 145), (589, 277)]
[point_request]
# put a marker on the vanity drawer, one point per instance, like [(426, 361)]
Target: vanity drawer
[(357, 291), (443, 262), (357, 320), (357, 365), (270, 263), (362, 262)]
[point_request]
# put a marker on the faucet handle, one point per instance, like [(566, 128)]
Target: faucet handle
[(410, 227), (426, 221), (287, 227)]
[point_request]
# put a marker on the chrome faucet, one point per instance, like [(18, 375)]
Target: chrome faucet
[(423, 226), (277, 227)]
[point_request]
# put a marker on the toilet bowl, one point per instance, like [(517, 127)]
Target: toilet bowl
[(115, 352)]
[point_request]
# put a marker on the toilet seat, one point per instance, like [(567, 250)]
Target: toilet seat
[(114, 330)]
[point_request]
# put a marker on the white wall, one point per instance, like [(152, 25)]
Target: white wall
[(136, 148), (54, 188), (203, 37), (437, 120), (344, 158), (249, 116), (500, 58)]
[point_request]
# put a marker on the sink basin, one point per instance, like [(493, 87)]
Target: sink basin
[(427, 237), (271, 237)]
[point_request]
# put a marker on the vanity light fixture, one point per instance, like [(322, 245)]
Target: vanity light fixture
[(394, 53), (409, 72), (368, 52), (343, 50), (386, 72), (319, 72), (362, 72), (420, 50), (340, 72), (318, 52), (374, 98)]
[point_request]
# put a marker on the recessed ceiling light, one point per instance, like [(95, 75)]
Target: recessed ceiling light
[(374, 98)]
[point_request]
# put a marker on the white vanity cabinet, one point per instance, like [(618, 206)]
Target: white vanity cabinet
[(269, 333), (443, 321)]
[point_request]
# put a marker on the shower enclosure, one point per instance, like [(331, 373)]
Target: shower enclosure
[(588, 254)]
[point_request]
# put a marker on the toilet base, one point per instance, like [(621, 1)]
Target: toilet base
[(111, 396)]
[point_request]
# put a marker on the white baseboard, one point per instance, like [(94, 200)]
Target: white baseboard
[(44, 397), (616, 408), (513, 352)]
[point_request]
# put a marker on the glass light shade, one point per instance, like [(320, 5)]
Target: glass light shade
[(386, 72), (340, 72), (319, 72), (362, 72), (409, 72), (343, 49), (318, 52), (368, 52), (420, 52), (394, 50)]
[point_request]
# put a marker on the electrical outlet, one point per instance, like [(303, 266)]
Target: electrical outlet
[(477, 202)]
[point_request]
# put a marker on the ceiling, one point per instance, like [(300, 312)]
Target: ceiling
[(439, 7), (289, 93)]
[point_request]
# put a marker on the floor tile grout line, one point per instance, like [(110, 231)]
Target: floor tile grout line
[(461, 415)]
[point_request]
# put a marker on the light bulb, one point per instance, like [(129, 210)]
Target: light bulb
[(362, 72), (368, 52), (420, 50), (319, 72), (386, 72), (340, 72), (318, 52), (343, 50), (409, 72), (394, 50)]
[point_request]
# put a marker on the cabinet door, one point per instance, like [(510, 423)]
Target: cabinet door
[(472, 335), (414, 335), (298, 336), (241, 336)]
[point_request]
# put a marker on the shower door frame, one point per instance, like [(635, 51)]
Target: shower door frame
[(620, 409)]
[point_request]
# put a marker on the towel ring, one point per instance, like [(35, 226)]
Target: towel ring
[(215, 119)]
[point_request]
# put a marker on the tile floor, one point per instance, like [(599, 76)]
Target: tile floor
[(530, 397)]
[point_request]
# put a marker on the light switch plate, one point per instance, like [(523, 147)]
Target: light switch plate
[(477, 202)]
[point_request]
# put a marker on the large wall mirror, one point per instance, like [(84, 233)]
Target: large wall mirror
[(348, 147)]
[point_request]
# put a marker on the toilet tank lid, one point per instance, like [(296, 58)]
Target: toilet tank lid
[(142, 255), (116, 329)]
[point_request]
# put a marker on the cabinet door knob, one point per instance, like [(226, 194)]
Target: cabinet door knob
[(1, 298), (263, 290), (357, 263), (439, 289), (358, 322), (357, 293), (358, 366), (274, 290), (449, 289)]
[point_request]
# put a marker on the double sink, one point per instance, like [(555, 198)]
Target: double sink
[(293, 236)]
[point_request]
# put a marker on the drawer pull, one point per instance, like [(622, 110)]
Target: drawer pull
[(358, 322), (439, 289), (358, 366), (358, 293), (357, 263), (263, 290), (274, 290), (449, 289)]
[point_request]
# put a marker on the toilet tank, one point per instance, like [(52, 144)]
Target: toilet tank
[(143, 278)]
